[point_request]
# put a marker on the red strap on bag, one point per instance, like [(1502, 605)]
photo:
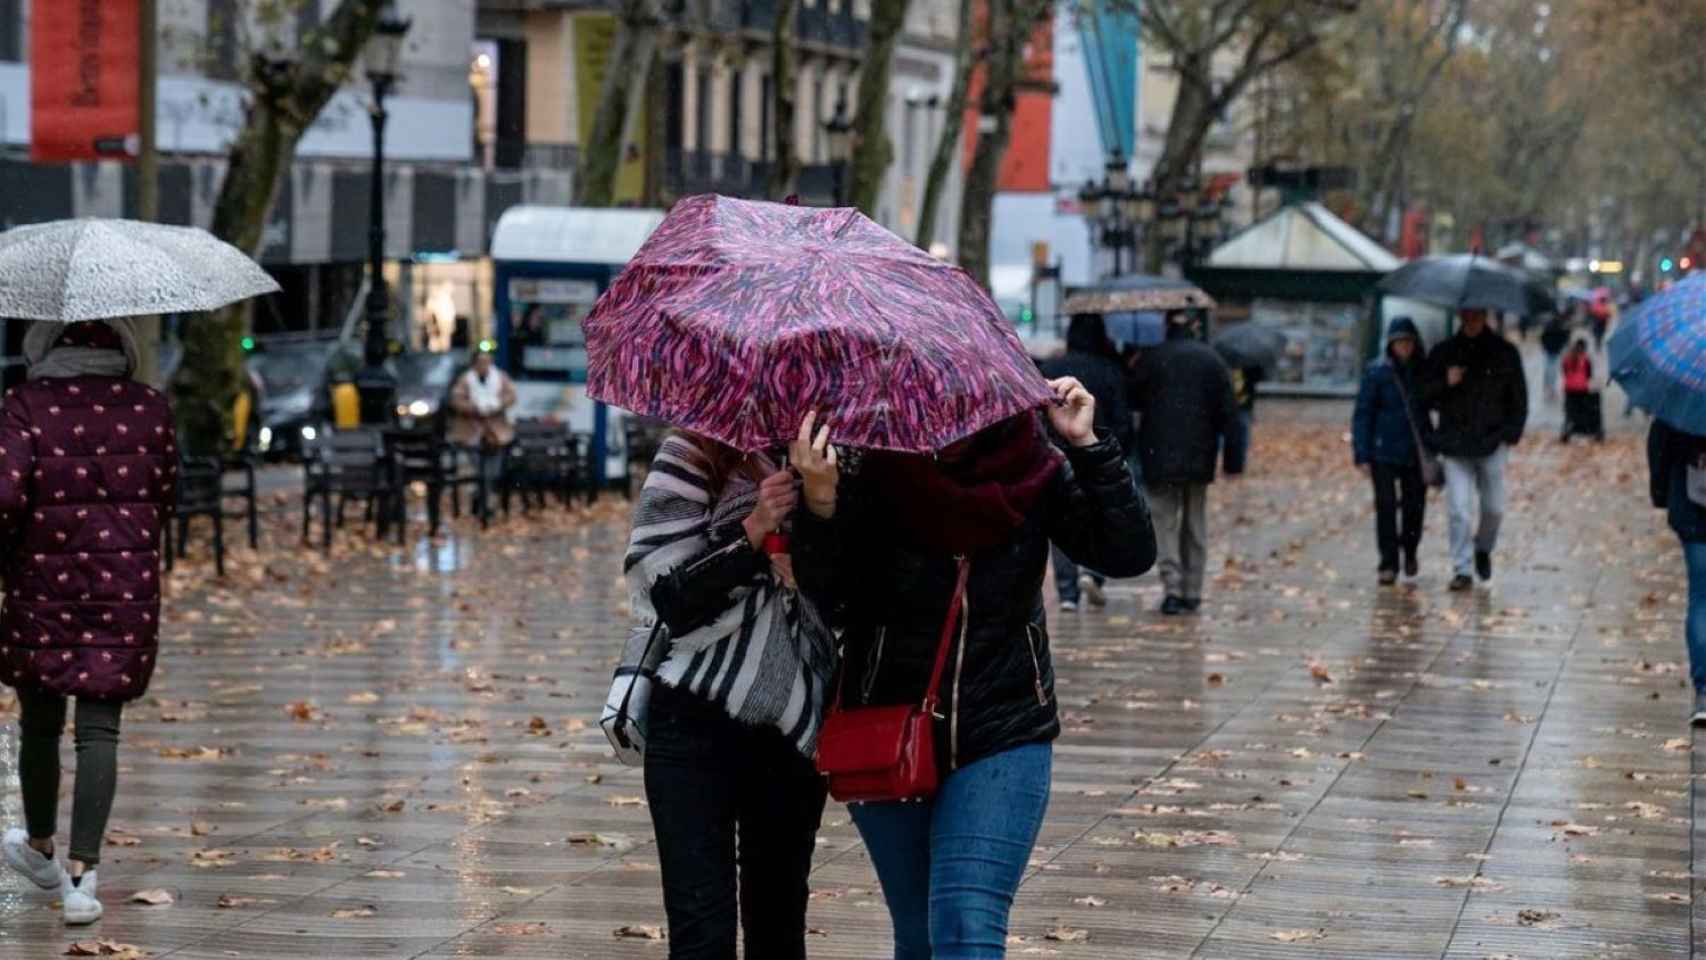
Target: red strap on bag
[(888, 753)]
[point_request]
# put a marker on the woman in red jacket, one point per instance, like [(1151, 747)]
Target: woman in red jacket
[(1582, 412), (88, 466)]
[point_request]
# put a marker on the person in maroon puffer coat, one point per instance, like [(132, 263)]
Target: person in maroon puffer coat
[(88, 469)]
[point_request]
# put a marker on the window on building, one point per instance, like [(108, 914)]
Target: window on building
[(766, 129), (736, 147), (222, 38), (12, 31), (307, 16), (702, 111), (818, 113), (675, 100)]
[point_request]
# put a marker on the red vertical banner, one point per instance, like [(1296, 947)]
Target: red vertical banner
[(84, 101)]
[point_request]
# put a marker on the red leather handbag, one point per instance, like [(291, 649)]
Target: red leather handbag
[(874, 754)]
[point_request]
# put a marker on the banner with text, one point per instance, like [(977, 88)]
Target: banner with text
[(84, 101)]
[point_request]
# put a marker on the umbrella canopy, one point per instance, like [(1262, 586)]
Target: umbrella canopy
[(1469, 281), (1141, 329), (737, 318), (92, 269), (1134, 293), (1658, 355), (1250, 345)]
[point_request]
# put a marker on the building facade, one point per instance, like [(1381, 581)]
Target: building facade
[(440, 201)]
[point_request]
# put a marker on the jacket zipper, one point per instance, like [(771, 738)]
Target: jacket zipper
[(1036, 662), (871, 666), (959, 668)]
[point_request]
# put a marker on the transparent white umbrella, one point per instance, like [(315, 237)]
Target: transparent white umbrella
[(65, 271)]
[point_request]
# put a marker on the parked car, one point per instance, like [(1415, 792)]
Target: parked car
[(423, 386), (294, 405)]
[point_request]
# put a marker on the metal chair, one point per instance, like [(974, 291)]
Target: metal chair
[(421, 456), (238, 483), (545, 458), (200, 493), (347, 464)]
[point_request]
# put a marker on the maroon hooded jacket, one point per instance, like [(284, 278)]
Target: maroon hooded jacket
[(88, 470)]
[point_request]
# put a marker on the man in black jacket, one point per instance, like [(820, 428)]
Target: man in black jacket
[(1090, 357), (1184, 393), (1475, 381)]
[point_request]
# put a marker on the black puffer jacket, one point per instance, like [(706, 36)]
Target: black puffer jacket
[(891, 600)]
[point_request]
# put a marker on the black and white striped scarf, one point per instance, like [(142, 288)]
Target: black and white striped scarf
[(767, 659)]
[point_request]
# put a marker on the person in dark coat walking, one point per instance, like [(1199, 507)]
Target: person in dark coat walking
[(1384, 428), (1183, 394), (1475, 381), (1091, 359), (883, 549), (1554, 340), (88, 472), (1676, 471)]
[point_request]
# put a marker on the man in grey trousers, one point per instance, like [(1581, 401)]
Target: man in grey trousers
[(1475, 381), (1184, 392)]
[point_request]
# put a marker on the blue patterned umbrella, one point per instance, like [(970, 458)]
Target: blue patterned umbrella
[(1658, 355)]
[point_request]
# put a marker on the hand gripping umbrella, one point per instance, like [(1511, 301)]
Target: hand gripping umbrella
[(737, 318)]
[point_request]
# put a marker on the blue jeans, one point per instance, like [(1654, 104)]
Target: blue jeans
[(951, 865), (1694, 554), (1066, 577)]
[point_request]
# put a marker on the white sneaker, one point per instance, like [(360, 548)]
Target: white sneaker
[(1093, 592), (81, 906), (1067, 606), (43, 870)]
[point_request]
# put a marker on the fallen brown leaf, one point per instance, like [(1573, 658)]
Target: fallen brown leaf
[(154, 898), (107, 948), (1298, 936), (355, 913), (520, 929), (233, 903), (639, 931), (1068, 935)]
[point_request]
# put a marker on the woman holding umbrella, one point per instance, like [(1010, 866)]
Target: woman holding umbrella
[(1655, 356), (885, 551), (736, 320), (88, 470)]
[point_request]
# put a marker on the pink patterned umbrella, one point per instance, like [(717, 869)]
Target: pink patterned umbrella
[(737, 318)]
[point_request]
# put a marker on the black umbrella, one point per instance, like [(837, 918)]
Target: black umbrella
[(1250, 345), (1469, 281)]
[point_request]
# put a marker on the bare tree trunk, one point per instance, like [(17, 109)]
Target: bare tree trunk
[(283, 104), (784, 78), (1194, 113), (953, 121), (623, 90), (873, 152), (1008, 31)]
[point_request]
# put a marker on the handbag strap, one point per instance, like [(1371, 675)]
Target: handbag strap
[(956, 616), (640, 668), (1409, 414)]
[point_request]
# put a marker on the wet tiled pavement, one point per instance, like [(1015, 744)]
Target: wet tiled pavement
[(396, 754)]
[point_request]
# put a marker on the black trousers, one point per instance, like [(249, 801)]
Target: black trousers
[(1400, 507), (41, 722), (728, 799)]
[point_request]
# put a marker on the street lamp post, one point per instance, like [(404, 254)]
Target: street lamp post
[(1117, 209), (840, 132), (376, 383)]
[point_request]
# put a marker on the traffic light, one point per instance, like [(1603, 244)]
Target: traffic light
[(1686, 263), (248, 344), (1665, 265)]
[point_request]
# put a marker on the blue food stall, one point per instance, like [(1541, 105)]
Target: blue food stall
[(549, 265)]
